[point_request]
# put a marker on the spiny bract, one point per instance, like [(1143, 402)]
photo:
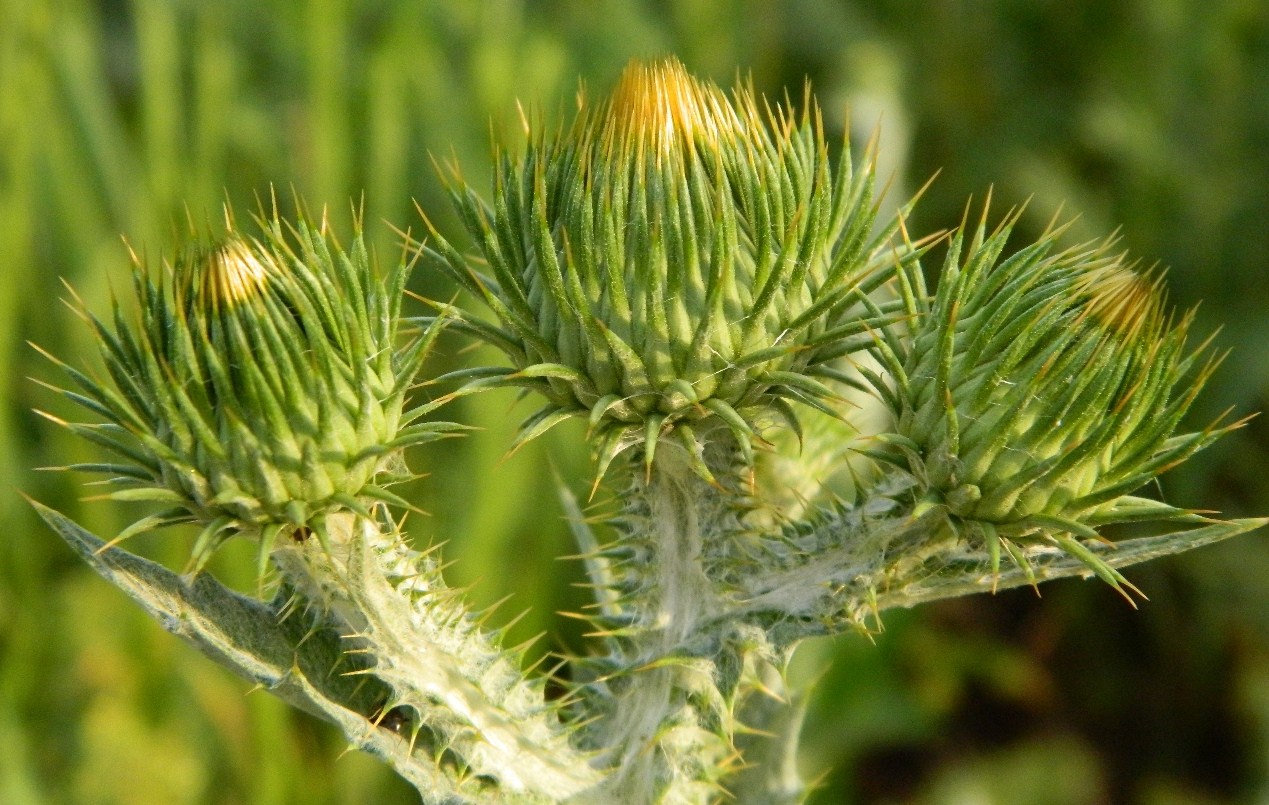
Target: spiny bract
[(676, 262), (260, 390)]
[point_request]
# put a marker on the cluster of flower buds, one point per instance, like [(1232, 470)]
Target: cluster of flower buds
[(679, 267)]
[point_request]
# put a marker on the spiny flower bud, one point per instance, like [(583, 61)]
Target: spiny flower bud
[(678, 260), (1037, 392), (261, 390)]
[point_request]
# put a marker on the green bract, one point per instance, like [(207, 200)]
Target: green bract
[(260, 390), (676, 260), (1035, 393)]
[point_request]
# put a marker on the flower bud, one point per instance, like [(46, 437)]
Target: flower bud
[(678, 260), (1037, 392), (261, 389)]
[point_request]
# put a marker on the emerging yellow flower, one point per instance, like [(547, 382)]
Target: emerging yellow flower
[(234, 272), (1129, 304), (660, 109)]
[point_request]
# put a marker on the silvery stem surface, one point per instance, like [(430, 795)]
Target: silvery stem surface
[(665, 703), (469, 698)]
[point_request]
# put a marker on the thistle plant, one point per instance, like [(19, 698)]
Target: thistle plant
[(692, 273)]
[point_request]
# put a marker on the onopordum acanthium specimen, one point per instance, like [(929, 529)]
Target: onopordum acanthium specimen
[(691, 273)]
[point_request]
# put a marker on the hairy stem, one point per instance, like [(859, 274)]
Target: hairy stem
[(773, 714), (464, 694), (880, 555), (665, 729)]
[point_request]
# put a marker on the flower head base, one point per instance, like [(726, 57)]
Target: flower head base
[(261, 390), (1037, 392), (677, 262)]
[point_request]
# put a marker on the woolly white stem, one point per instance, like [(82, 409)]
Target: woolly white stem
[(654, 735), (397, 612), (773, 715)]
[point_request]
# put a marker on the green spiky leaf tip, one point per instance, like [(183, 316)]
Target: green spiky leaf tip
[(679, 257), (262, 386)]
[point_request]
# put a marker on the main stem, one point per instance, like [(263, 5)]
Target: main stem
[(667, 723)]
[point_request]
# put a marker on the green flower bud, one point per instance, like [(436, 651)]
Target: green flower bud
[(260, 390), (677, 259), (1037, 392)]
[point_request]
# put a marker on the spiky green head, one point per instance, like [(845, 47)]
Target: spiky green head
[(678, 259), (261, 389), (1044, 388)]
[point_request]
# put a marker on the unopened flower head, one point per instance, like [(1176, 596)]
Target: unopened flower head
[(1046, 387), (680, 259), (262, 388)]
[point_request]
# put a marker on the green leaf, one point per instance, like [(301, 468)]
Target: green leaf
[(295, 661)]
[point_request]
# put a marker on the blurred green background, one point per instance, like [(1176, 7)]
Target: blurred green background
[(1152, 116)]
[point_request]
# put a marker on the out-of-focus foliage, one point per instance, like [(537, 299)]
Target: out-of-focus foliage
[(134, 117)]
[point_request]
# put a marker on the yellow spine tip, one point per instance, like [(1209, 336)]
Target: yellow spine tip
[(1122, 299), (234, 273)]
